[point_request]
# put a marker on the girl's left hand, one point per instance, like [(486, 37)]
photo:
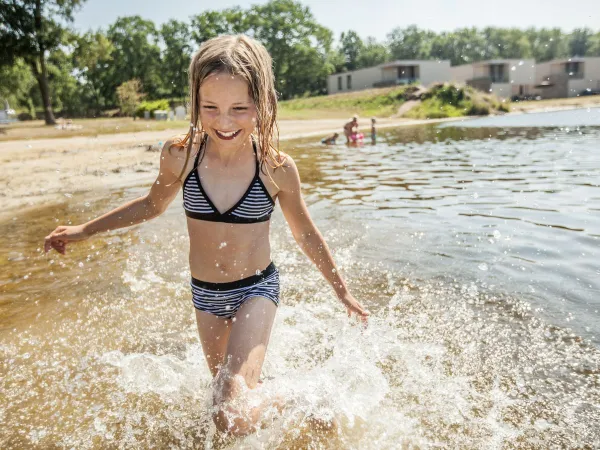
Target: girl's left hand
[(354, 307)]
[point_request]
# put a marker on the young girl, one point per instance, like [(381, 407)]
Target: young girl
[(231, 175)]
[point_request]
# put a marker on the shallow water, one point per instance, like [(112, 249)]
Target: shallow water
[(476, 251)]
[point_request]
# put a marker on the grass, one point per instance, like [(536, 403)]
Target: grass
[(383, 102), (451, 100)]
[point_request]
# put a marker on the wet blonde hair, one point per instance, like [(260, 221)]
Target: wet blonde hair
[(249, 59)]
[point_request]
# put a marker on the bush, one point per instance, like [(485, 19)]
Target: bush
[(151, 106), (24, 116)]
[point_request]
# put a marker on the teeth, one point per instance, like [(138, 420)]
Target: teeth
[(231, 133)]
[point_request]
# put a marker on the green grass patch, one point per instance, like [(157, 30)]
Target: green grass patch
[(382, 102), (452, 100)]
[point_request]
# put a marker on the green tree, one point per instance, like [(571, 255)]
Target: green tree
[(176, 57), (580, 41), (136, 54), (547, 44), (298, 44), (210, 24), (29, 30), (410, 43), (351, 46), (506, 43), (373, 53), (92, 59), (594, 47), (17, 83), (129, 96)]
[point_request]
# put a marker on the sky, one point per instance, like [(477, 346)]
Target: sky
[(371, 17)]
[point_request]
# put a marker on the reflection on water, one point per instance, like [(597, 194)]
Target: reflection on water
[(476, 251)]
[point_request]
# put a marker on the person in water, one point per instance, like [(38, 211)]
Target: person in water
[(351, 128), (373, 131), (232, 174), (331, 140)]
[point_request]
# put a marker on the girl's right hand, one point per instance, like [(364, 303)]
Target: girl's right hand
[(62, 235)]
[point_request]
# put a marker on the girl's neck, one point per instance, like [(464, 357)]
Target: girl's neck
[(226, 155)]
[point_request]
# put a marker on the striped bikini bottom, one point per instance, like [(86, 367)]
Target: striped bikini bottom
[(224, 299)]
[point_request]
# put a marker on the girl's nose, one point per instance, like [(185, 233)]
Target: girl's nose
[(225, 122)]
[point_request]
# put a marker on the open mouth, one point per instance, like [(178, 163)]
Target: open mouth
[(227, 135)]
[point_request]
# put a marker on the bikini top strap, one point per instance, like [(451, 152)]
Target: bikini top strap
[(202, 144), (255, 154)]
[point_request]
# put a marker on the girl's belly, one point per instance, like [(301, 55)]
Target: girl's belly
[(222, 252)]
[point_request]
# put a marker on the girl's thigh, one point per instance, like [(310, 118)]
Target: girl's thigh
[(214, 334), (249, 338)]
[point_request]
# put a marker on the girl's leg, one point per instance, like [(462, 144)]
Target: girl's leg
[(214, 334), (245, 355)]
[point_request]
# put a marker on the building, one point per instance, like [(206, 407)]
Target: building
[(568, 77), (390, 74), (503, 77)]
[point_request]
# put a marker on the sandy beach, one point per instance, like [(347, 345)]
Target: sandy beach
[(46, 171)]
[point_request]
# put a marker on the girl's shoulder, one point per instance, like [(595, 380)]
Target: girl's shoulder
[(173, 154)]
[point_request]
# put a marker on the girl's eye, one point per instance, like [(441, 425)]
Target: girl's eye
[(209, 107), (241, 108)]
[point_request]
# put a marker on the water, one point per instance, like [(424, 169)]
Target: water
[(475, 249)]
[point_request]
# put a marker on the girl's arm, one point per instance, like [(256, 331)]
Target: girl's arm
[(309, 238), (133, 212)]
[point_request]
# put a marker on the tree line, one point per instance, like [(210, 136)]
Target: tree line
[(46, 65)]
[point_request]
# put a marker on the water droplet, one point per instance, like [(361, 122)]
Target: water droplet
[(497, 234), (483, 266), (513, 68), (80, 264), (223, 244), (69, 195), (258, 272), (475, 195)]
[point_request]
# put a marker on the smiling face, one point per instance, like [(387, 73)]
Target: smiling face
[(227, 111)]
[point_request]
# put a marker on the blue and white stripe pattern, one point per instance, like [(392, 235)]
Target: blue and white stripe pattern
[(224, 300), (256, 205)]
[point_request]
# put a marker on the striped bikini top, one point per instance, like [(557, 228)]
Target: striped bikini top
[(256, 205)]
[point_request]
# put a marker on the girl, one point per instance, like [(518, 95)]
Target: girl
[(231, 175)]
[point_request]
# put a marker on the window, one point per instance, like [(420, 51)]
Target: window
[(407, 73), (497, 73), (340, 87), (574, 69), (349, 81)]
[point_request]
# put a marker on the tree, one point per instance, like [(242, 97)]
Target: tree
[(129, 95), (351, 46), (410, 43), (298, 44), (373, 53), (210, 24), (92, 59), (17, 83), (547, 44), (176, 56), (580, 42), (136, 54), (30, 29)]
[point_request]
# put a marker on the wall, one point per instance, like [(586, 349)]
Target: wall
[(461, 73), (361, 79)]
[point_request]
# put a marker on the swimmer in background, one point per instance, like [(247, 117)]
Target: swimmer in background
[(351, 128), (331, 140), (373, 131)]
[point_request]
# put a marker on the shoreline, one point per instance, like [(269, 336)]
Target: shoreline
[(39, 172)]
